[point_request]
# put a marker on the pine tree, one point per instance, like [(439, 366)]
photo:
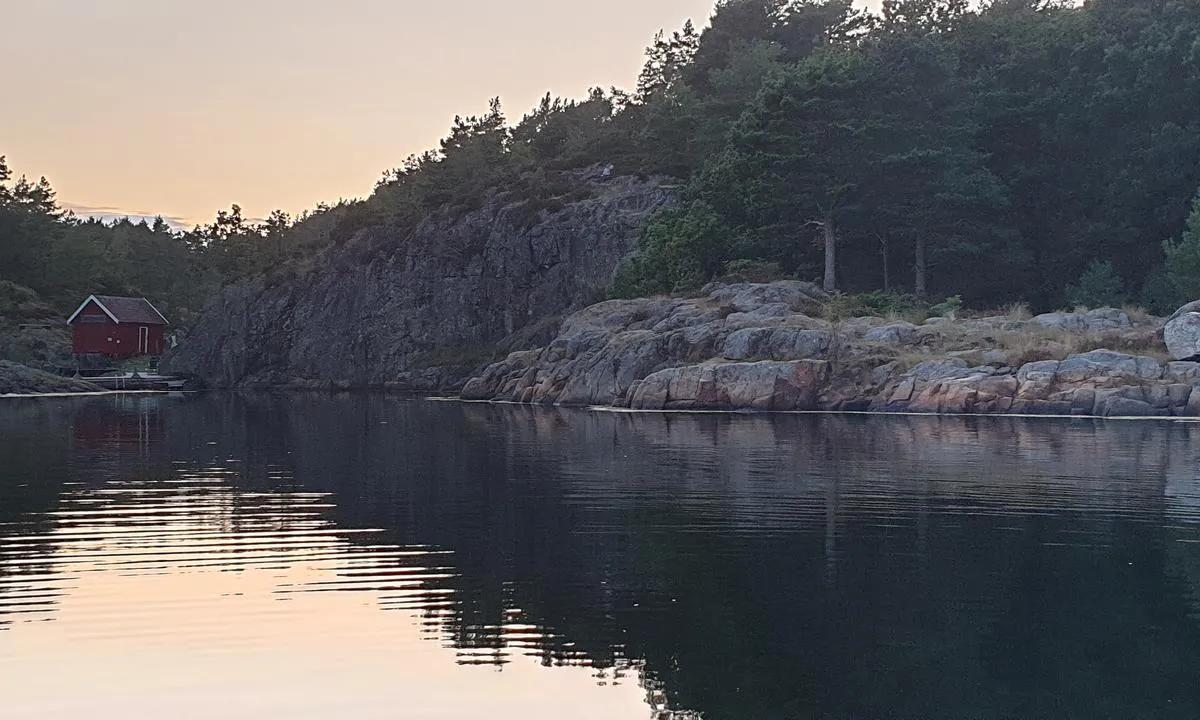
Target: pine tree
[(1099, 286), (812, 139), (1183, 257)]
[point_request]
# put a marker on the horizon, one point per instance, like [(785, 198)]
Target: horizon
[(167, 134)]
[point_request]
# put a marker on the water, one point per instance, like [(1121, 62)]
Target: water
[(309, 556)]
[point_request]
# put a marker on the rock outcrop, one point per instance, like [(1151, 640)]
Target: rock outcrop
[(420, 309), (1088, 321), (603, 350), (763, 385), (1100, 383), (759, 347), (21, 380)]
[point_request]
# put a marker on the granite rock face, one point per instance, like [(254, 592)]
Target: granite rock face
[(1100, 383), (766, 385), (754, 348), (388, 306), (604, 351)]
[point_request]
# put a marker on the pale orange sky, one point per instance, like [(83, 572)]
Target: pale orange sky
[(181, 107)]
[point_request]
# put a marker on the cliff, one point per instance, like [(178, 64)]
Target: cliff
[(418, 309)]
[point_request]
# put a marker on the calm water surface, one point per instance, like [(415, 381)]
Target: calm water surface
[(306, 556)]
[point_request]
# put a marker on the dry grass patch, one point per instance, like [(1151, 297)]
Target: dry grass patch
[(1139, 316), (1034, 345), (1020, 347), (1017, 312), (911, 316), (909, 359)]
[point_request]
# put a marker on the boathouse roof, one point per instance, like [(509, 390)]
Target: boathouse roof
[(131, 310)]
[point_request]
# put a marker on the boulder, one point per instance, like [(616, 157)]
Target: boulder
[(1059, 321), (1105, 319), (934, 386), (1127, 407), (1182, 335), (1193, 306)]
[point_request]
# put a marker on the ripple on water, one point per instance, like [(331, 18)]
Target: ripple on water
[(738, 567)]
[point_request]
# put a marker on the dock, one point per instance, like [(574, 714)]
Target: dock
[(138, 381)]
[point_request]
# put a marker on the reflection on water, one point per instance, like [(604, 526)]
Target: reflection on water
[(352, 556)]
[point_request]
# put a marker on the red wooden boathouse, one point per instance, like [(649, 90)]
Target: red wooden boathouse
[(118, 327)]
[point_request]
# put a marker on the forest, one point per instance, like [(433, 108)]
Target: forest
[(1036, 151), (1026, 151)]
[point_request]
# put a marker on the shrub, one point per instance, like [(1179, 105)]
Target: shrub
[(1099, 286), (1159, 295), (876, 304), (948, 307), (678, 250)]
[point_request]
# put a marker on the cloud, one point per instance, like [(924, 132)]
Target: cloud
[(111, 214)]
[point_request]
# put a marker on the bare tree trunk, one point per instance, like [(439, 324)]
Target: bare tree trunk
[(921, 268), (887, 268), (827, 228)]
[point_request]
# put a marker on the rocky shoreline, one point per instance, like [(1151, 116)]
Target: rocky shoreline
[(766, 347), (16, 379)]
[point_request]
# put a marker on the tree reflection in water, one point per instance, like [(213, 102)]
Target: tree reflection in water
[(734, 566)]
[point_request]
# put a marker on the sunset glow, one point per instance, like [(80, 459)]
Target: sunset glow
[(145, 106)]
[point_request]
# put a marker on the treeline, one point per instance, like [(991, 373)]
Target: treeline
[(50, 259), (1026, 150)]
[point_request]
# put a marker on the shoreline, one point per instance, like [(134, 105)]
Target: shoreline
[(840, 413), (785, 346), (90, 393), (776, 347), (743, 412)]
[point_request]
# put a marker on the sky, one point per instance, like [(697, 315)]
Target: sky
[(180, 108)]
